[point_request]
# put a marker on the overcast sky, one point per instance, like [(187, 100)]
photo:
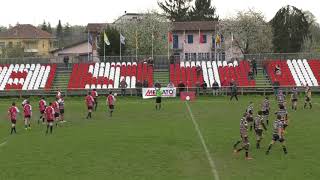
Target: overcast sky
[(81, 12)]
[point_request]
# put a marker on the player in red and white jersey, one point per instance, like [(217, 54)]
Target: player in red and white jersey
[(95, 95), (12, 114), (55, 106), (58, 95), (42, 108), (111, 102), (89, 102), (50, 116), (27, 111), (61, 109)]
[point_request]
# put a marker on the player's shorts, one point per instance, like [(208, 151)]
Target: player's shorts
[(111, 106), (275, 137), (250, 119), (90, 107), (245, 139), (258, 132), (42, 112), (13, 121), (50, 120), (56, 115), (27, 116), (61, 111), (266, 112), (158, 100), (308, 99)]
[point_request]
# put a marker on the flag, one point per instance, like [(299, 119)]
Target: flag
[(106, 40), (90, 39), (170, 38), (218, 40), (201, 40), (122, 39)]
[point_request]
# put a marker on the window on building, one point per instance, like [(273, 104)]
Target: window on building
[(2, 45), (204, 39), (175, 41), (190, 39)]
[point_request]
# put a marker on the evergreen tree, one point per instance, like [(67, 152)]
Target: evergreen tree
[(44, 26), (59, 34), (176, 10), (49, 29), (290, 28), (203, 11)]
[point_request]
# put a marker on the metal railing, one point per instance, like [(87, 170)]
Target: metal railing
[(222, 91)]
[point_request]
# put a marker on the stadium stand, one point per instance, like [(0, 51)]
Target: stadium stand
[(26, 76), (211, 71), (293, 72), (109, 75)]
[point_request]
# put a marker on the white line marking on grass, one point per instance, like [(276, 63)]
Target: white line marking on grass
[(4, 143), (210, 159)]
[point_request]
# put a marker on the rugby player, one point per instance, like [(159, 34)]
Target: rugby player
[(278, 135), (12, 114), (27, 111), (294, 98), (266, 109), (244, 138), (307, 99), (111, 103), (42, 108), (50, 116), (94, 94), (89, 102), (259, 126)]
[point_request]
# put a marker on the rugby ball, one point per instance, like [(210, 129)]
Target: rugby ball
[(188, 98), (115, 94)]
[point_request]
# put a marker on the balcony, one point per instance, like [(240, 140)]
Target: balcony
[(177, 47), (31, 50)]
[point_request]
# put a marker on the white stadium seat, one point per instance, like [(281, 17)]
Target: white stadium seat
[(101, 71), (309, 71), (293, 72), (45, 77), (6, 77), (90, 69), (205, 72), (224, 63), (193, 64), (27, 81), (304, 72), (117, 76), (107, 70), (299, 73), (210, 73), (87, 86), (235, 63), (32, 67), (28, 66), (216, 72), (133, 82), (182, 64), (219, 64)]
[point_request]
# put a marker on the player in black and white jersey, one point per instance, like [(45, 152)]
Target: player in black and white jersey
[(294, 98), (244, 138), (284, 115), (265, 107), (278, 135), (259, 126), (249, 112)]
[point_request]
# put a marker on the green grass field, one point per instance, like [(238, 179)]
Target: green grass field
[(139, 143)]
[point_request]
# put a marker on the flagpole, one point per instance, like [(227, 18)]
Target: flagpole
[(152, 45), (104, 51), (120, 45), (215, 44), (168, 45), (88, 45), (231, 45), (199, 45), (136, 45)]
